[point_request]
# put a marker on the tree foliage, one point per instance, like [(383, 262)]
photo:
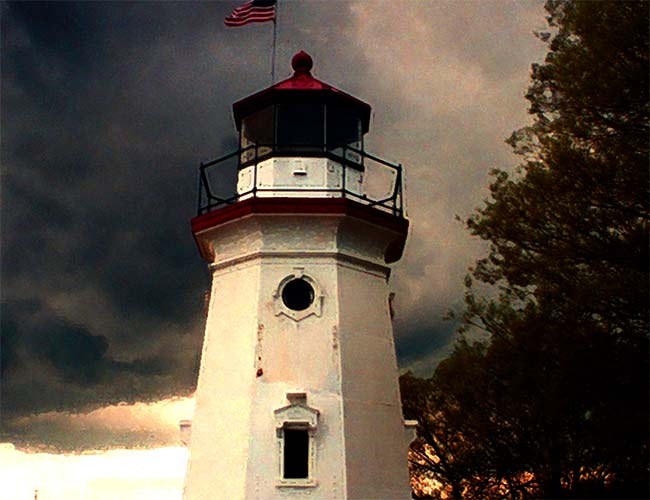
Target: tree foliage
[(554, 404)]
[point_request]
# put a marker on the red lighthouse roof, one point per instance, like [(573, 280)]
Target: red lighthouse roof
[(302, 85)]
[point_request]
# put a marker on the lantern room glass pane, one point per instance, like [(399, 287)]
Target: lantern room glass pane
[(343, 132), (257, 129), (342, 128), (301, 125)]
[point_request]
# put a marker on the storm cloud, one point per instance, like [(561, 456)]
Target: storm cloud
[(107, 109)]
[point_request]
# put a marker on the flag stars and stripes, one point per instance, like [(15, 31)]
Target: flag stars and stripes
[(255, 11)]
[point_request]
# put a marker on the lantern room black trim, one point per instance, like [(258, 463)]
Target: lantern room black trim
[(330, 97), (302, 115), (301, 126), (302, 86)]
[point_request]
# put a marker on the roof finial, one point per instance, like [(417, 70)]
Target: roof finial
[(302, 63)]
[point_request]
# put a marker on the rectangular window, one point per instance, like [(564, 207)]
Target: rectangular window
[(296, 453), (301, 125), (257, 129), (343, 128), (343, 132)]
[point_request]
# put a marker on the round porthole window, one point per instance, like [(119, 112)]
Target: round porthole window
[(297, 294)]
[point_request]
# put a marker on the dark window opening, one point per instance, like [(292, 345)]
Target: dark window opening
[(301, 124), (297, 295), (257, 129), (296, 453), (343, 128), (344, 132)]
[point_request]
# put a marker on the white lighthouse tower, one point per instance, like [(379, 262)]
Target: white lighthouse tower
[(298, 394)]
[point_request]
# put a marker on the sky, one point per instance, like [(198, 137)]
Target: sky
[(107, 108)]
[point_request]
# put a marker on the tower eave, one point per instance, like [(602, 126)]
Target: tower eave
[(302, 83), (318, 92), (205, 224)]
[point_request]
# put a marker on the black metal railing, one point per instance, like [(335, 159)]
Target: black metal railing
[(381, 180)]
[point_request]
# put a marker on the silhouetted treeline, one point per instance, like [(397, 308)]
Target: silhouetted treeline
[(554, 402)]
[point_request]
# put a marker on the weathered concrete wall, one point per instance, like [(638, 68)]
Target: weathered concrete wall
[(339, 353), (376, 449), (221, 424)]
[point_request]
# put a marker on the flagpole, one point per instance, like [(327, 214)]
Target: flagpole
[(275, 37)]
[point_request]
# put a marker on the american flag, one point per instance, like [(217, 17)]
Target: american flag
[(255, 11)]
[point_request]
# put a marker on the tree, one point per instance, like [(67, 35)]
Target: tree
[(556, 399), (440, 452)]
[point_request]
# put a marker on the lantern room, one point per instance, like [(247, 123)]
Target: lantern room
[(303, 138), (301, 116)]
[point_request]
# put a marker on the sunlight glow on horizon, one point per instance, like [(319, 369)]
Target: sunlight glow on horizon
[(155, 474), (139, 425), (127, 474)]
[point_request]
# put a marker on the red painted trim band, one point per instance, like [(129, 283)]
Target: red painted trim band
[(298, 206)]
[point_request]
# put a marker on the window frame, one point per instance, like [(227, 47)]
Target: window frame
[(316, 306), (343, 152), (297, 416)]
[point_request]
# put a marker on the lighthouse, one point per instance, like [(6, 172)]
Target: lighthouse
[(297, 394)]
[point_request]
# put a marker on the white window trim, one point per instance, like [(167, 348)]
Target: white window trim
[(296, 415), (315, 308)]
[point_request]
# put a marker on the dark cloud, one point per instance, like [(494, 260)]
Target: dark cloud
[(104, 118), (75, 353), (417, 345), (107, 109), (44, 353)]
